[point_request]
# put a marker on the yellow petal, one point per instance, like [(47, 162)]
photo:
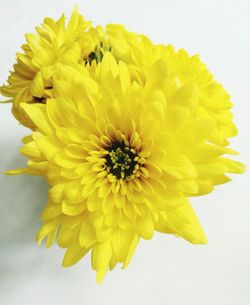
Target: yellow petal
[(37, 113), (73, 255), (145, 226)]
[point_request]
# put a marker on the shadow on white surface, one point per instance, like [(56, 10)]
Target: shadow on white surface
[(22, 199)]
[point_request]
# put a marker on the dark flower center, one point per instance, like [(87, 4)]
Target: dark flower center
[(121, 160), (98, 53), (97, 56)]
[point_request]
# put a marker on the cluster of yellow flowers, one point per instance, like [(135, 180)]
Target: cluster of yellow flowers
[(124, 131)]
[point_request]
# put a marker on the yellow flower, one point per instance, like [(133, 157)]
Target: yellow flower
[(31, 80), (121, 158), (140, 54)]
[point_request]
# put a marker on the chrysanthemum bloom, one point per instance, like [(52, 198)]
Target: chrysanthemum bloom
[(54, 42), (121, 159), (140, 54), (78, 42)]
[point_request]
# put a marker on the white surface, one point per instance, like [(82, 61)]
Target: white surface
[(164, 270)]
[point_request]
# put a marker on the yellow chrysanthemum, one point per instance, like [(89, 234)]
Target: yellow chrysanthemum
[(121, 159), (78, 42), (31, 80), (140, 54)]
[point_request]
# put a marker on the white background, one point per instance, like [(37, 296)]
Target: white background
[(165, 270)]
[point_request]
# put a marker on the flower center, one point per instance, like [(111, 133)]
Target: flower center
[(98, 53), (121, 160)]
